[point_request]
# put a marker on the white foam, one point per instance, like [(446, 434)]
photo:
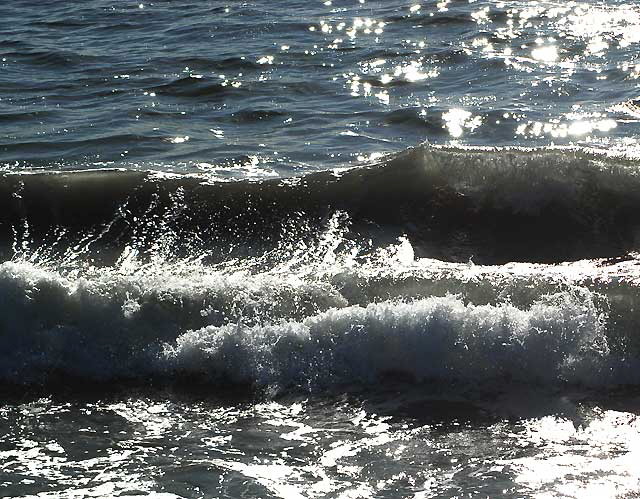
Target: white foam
[(105, 323), (320, 318), (559, 338)]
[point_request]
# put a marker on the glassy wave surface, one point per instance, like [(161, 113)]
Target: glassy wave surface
[(333, 249)]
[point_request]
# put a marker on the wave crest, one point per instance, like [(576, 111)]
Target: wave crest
[(453, 205)]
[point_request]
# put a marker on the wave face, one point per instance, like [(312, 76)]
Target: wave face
[(453, 205), (394, 272)]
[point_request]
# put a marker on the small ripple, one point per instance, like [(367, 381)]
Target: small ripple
[(207, 63), (14, 117), (439, 18), (61, 23), (192, 86), (254, 115), (50, 58)]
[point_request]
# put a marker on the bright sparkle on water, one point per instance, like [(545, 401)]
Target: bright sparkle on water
[(552, 60), (398, 67), (458, 120), (315, 449)]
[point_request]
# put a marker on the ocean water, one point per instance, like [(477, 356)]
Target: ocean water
[(340, 249)]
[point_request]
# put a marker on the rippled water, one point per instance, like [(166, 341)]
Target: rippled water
[(259, 88), (341, 249), (389, 445)]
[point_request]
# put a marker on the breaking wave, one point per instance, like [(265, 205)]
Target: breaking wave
[(493, 206), (392, 272), (322, 322)]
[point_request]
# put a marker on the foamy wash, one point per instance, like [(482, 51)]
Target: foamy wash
[(342, 249)]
